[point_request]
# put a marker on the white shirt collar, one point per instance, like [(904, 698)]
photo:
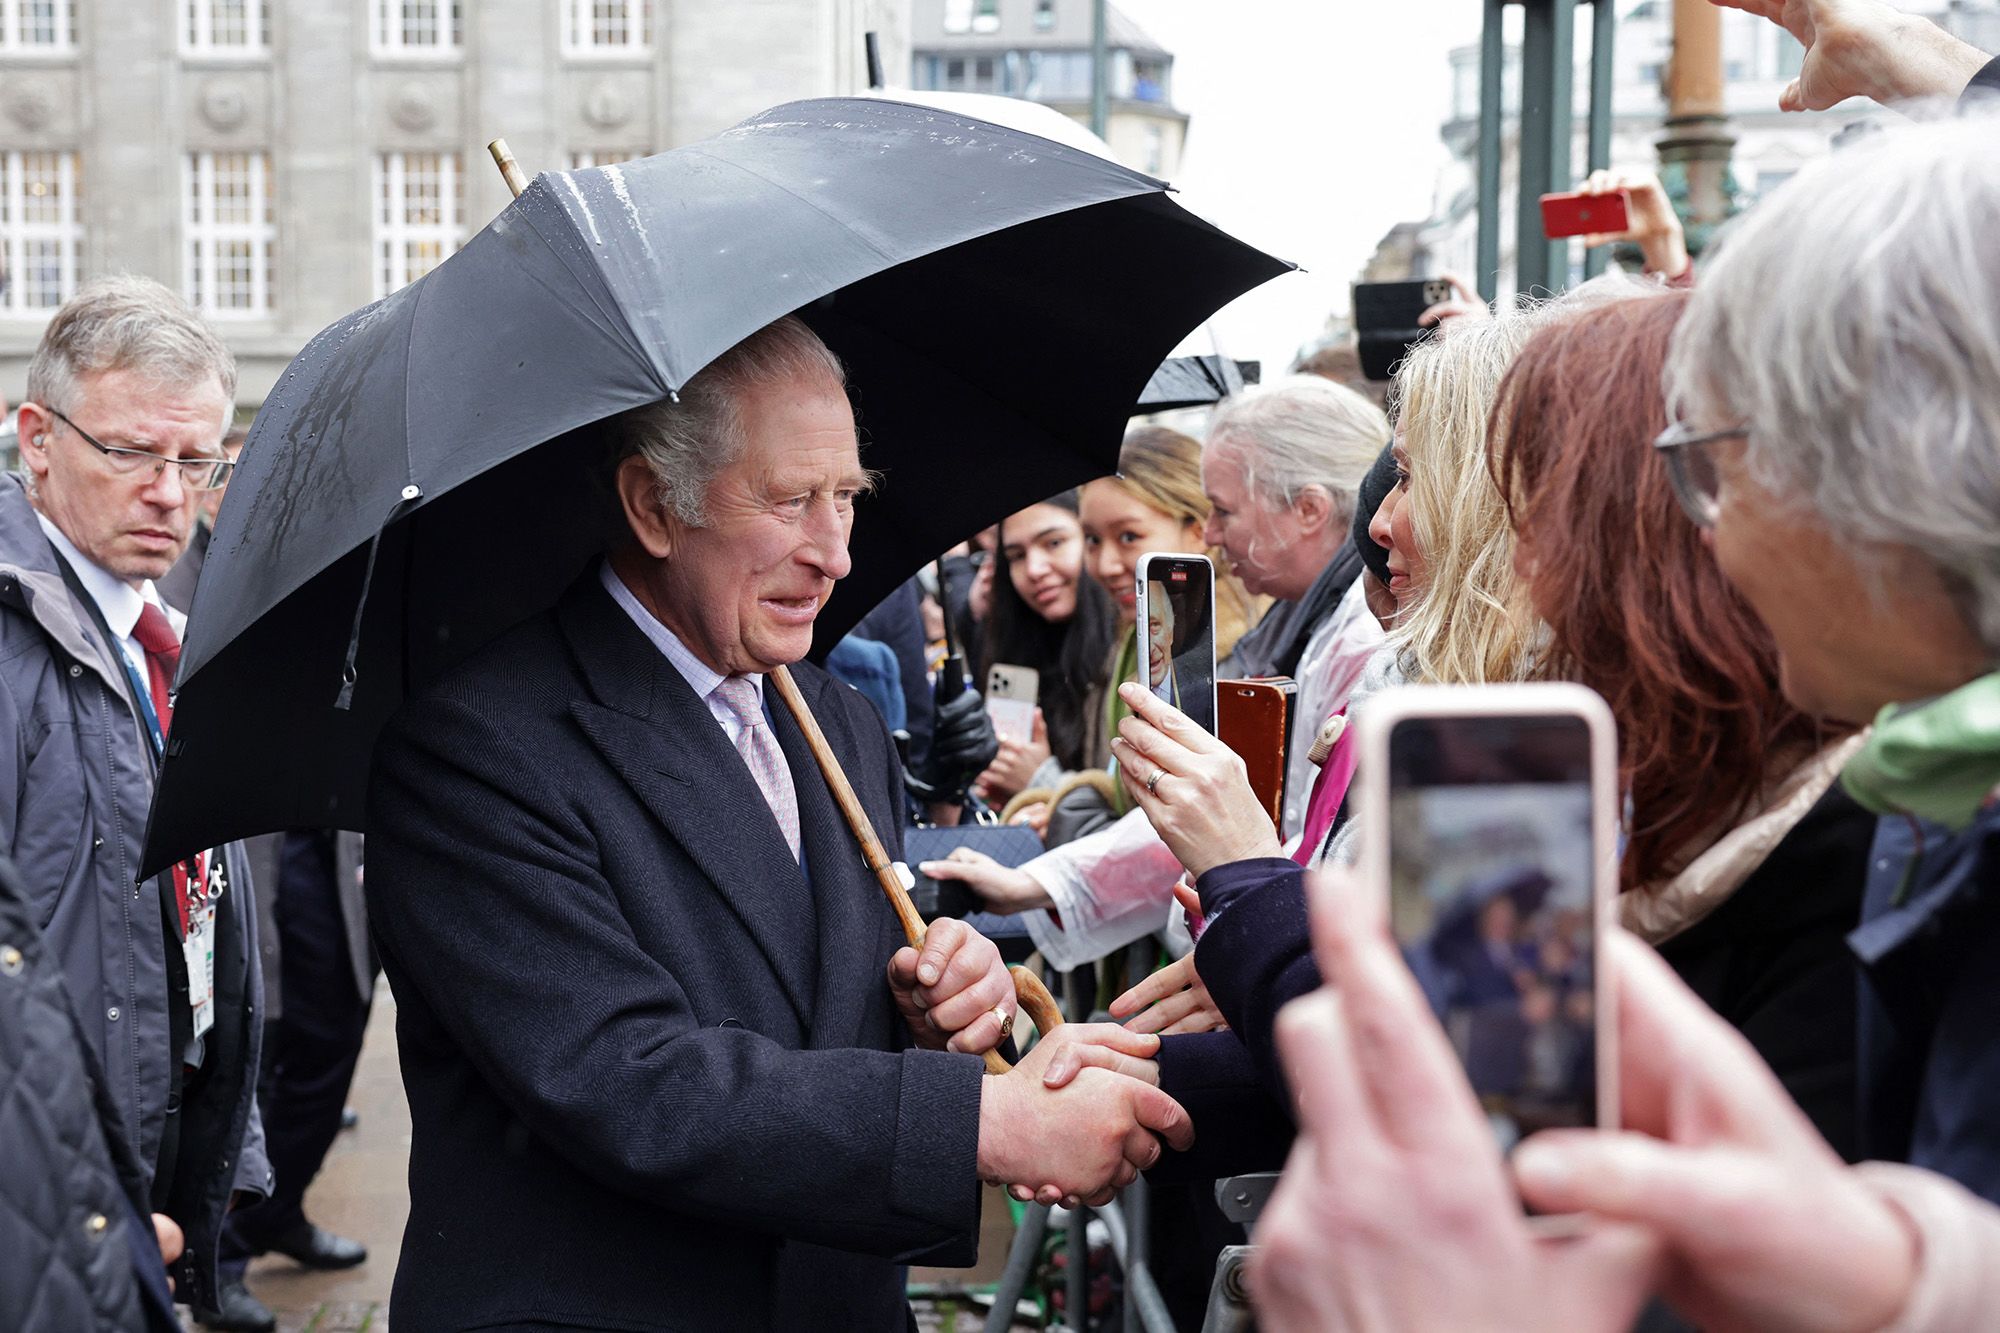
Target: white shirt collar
[(120, 602), (701, 677)]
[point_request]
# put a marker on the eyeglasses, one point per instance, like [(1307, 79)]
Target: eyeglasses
[(1697, 484), (197, 474)]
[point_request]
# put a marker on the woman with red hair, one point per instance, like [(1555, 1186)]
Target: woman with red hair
[(1744, 862)]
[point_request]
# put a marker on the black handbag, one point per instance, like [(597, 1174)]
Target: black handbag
[(1009, 844)]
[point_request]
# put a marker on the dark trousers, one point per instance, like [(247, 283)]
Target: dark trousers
[(311, 1049)]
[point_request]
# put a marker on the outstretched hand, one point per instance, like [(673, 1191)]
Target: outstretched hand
[(1079, 1117), (1865, 48)]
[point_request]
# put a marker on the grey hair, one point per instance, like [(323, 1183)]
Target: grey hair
[(686, 443), (129, 323), (1851, 324), (1301, 431)]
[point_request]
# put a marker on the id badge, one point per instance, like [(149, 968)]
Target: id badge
[(199, 950)]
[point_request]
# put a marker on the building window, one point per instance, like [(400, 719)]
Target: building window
[(419, 216), (40, 236), (604, 157), (1153, 159), (37, 25), (1045, 15), (958, 15), (417, 27), (230, 234), (986, 16), (226, 27), (607, 27)]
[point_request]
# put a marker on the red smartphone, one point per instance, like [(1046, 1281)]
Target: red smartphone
[(1578, 214)]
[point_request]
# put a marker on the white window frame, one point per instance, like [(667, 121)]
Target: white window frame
[(13, 29), (202, 235), (388, 30), (197, 29), (393, 230), (16, 232), (579, 28)]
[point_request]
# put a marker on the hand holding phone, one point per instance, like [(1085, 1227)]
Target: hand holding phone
[(1490, 832), (1176, 611)]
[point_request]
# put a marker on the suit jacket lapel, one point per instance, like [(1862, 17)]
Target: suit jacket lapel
[(669, 749), (857, 930)]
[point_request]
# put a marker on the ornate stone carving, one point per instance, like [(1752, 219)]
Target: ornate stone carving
[(605, 106), (412, 107), (224, 104), (31, 105)]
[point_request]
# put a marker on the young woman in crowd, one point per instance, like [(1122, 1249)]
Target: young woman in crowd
[(1154, 504), (1046, 615)]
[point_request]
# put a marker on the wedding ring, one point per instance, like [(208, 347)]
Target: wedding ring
[(1006, 1021), (1153, 782)]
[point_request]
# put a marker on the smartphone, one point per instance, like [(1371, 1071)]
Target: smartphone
[(1253, 718), (1177, 633), (1577, 214), (1490, 824), (1011, 692), (1385, 320)]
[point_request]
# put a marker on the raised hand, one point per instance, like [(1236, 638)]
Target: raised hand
[(1865, 48), (1200, 803), (1171, 1001)]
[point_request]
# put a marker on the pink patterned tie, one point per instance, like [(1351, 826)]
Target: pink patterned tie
[(760, 751)]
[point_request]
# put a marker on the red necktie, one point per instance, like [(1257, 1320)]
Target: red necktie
[(163, 654)]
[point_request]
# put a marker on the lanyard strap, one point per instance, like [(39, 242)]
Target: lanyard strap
[(142, 695)]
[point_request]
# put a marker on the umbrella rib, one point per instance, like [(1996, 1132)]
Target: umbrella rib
[(615, 319)]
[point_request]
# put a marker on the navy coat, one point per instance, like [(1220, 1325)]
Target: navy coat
[(656, 1078)]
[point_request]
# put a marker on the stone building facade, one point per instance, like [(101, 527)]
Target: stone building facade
[(283, 162)]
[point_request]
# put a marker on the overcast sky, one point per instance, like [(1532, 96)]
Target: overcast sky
[(1314, 130)]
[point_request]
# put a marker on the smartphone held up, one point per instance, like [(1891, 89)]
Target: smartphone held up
[(1490, 827), (1176, 607), (1576, 213)]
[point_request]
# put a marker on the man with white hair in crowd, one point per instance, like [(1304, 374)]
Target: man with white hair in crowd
[(121, 432), (1282, 468)]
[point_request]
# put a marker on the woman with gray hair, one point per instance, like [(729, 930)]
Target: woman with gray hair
[(1836, 391)]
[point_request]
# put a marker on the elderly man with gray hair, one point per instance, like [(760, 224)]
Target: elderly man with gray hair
[(1282, 468), (128, 397)]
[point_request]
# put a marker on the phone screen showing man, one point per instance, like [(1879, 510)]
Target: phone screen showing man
[(1490, 878), (1180, 640)]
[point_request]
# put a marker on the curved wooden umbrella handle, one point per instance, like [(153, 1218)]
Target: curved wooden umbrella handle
[(1036, 1002), (1033, 995)]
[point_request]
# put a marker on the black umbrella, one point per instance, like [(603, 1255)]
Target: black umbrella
[(424, 475), (1195, 381)]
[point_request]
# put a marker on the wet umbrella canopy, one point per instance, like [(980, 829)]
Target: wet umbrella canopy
[(425, 474)]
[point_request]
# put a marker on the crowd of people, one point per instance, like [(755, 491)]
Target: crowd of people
[(660, 1078)]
